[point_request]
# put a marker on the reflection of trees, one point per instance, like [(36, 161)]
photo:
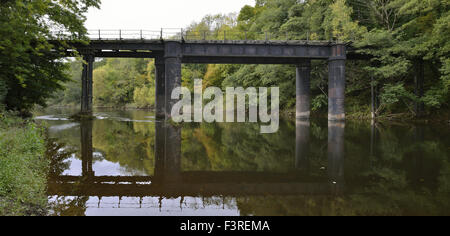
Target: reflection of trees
[(237, 147), (66, 206), (409, 174), (406, 172), (129, 144), (58, 154)]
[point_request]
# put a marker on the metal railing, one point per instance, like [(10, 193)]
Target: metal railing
[(187, 35)]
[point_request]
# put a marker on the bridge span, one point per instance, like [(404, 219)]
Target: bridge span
[(170, 54)]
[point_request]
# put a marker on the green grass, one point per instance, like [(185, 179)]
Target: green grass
[(23, 167)]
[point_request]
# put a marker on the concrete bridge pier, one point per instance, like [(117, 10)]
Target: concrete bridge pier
[(160, 80), (336, 83), (172, 61), (87, 82), (303, 90)]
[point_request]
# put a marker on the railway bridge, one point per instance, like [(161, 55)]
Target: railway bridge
[(171, 52)]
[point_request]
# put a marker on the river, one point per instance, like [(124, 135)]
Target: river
[(127, 163)]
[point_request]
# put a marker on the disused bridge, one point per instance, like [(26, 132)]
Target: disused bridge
[(171, 54)]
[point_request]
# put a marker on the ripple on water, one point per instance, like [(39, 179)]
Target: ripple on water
[(63, 127), (51, 117)]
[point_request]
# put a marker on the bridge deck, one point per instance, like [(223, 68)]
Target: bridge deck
[(214, 51)]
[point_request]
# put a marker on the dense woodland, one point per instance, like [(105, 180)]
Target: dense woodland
[(405, 41)]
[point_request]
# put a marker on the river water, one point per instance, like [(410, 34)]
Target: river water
[(127, 163)]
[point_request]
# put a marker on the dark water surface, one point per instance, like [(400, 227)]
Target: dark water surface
[(127, 163)]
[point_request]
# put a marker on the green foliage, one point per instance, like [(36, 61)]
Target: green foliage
[(338, 22), (23, 167), (122, 81), (29, 68), (394, 93), (71, 94), (3, 92), (144, 97), (320, 102)]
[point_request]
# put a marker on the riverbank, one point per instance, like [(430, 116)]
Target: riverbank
[(23, 167)]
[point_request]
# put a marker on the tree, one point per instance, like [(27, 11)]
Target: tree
[(408, 43), (29, 69), (339, 24)]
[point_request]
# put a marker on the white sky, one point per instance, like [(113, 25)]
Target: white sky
[(157, 14)]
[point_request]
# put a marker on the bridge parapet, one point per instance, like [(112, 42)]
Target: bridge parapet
[(181, 34)]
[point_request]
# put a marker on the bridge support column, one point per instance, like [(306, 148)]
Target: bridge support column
[(336, 154), (302, 145), (86, 87), (303, 90), (160, 92), (172, 74), (336, 83)]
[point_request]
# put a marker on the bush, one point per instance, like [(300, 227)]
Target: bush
[(144, 97), (23, 167)]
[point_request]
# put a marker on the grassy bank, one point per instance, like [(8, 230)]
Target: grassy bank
[(23, 167)]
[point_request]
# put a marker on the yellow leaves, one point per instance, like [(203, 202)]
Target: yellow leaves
[(314, 36), (213, 76), (151, 71)]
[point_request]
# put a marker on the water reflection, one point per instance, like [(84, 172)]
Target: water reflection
[(169, 181), (308, 168)]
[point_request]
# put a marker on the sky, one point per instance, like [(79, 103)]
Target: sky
[(157, 14)]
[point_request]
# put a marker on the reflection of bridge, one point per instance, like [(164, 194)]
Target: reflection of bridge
[(170, 181), (170, 54)]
